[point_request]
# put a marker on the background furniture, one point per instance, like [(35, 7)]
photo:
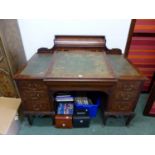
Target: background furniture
[(150, 105), (79, 63), (9, 124), (140, 48), (12, 56)]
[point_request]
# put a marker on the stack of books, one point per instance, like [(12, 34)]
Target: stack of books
[(65, 104), (64, 98), (82, 101), (65, 109)]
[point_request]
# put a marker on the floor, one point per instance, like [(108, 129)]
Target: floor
[(140, 125)]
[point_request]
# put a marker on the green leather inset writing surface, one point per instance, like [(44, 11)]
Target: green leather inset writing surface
[(121, 67), (79, 64), (38, 65)]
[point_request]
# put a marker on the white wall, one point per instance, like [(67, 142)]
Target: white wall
[(40, 33)]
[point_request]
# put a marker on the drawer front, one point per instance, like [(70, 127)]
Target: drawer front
[(126, 85), (81, 121), (33, 90), (121, 107), (32, 85), (34, 96), (125, 96), (37, 106), (63, 121), (127, 90)]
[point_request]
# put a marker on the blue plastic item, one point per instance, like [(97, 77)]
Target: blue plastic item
[(92, 108)]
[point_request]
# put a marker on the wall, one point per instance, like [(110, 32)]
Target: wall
[(40, 33)]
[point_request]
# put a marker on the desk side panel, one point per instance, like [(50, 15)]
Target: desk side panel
[(34, 95), (130, 81), (125, 96)]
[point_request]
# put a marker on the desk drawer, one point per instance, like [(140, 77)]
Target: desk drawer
[(34, 96), (127, 90), (125, 96), (81, 121), (63, 121), (121, 107), (36, 106), (128, 85), (32, 85)]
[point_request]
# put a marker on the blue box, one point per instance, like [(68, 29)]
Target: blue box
[(92, 108)]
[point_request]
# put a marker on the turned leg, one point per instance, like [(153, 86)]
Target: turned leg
[(130, 117), (105, 117), (30, 119)]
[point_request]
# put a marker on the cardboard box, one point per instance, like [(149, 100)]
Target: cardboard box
[(9, 124)]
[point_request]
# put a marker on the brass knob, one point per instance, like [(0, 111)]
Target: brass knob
[(81, 121), (63, 124)]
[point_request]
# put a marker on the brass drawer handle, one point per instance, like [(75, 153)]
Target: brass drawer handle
[(63, 124), (38, 95), (34, 98), (37, 107), (81, 121), (124, 107)]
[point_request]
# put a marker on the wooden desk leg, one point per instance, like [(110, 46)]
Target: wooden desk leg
[(105, 117), (130, 117), (30, 119), (53, 120)]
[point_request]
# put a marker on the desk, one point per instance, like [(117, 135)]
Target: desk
[(79, 70)]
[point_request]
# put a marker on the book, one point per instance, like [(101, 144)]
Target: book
[(83, 100), (64, 98), (65, 108)]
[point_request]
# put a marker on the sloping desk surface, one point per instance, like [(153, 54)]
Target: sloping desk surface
[(78, 64)]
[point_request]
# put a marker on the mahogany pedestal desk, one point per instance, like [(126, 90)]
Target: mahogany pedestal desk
[(79, 63)]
